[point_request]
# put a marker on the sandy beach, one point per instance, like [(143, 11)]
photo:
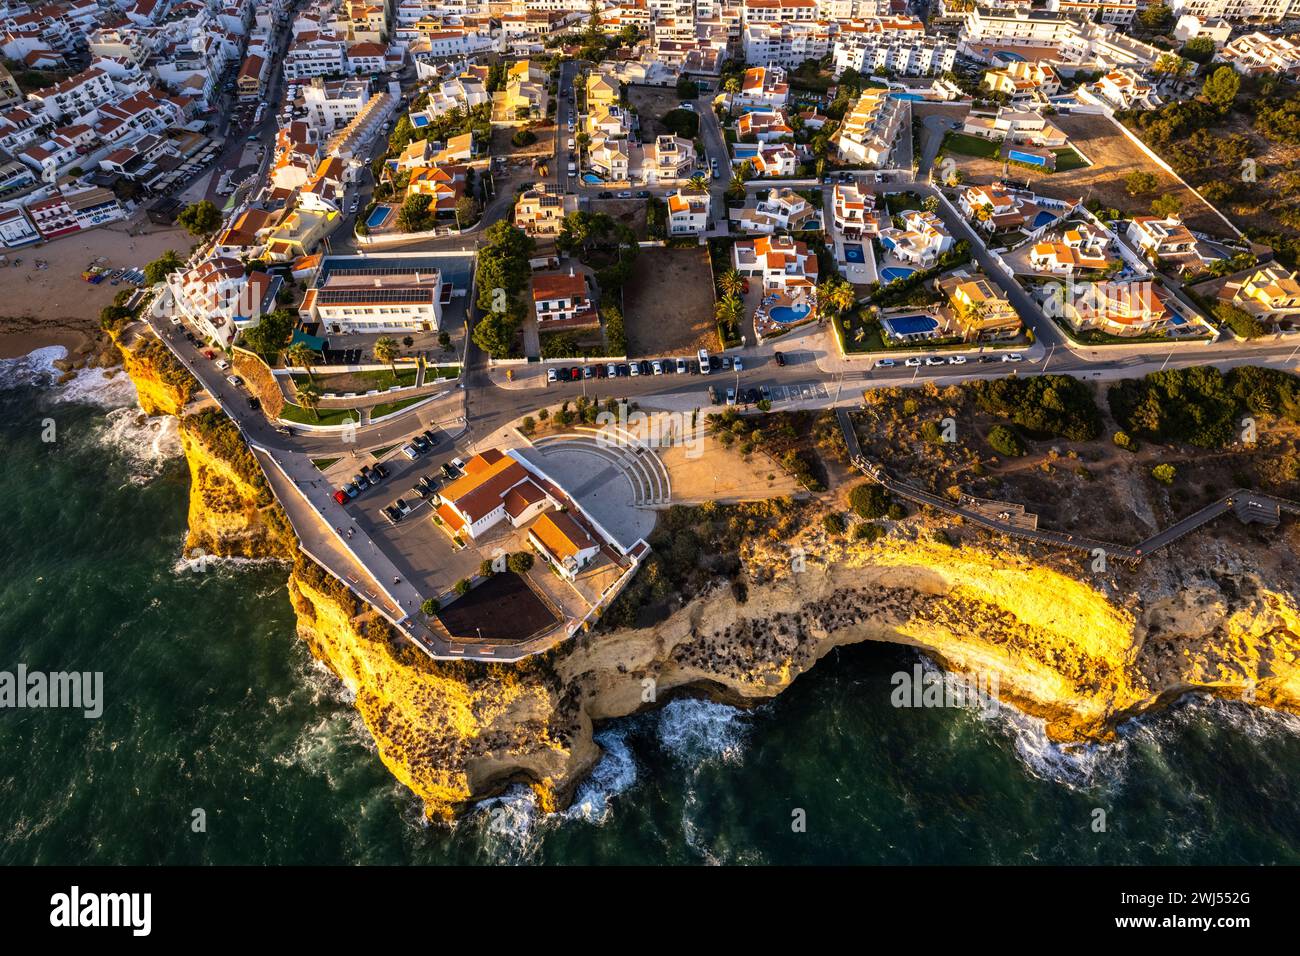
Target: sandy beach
[(54, 305)]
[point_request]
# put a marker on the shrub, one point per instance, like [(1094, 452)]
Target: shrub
[(869, 500), (463, 586), (1164, 473), (868, 531), (1123, 439), (833, 523), (431, 606), (485, 568), (520, 562), (1004, 441)]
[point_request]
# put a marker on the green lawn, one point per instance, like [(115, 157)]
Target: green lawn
[(322, 416), (361, 381), (1067, 159), (323, 463), (387, 408), (898, 203), (966, 145), (451, 371)]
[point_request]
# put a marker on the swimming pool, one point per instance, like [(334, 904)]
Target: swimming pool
[(1017, 156), (418, 119), (895, 272), (787, 314), (591, 179), (910, 97), (377, 216), (744, 150), (853, 253), (905, 325)]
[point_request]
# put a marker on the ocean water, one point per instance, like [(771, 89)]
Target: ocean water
[(214, 711)]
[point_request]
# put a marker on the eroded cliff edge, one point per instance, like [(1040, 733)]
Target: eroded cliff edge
[(1082, 652)]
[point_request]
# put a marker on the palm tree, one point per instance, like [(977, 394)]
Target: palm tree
[(385, 350), (729, 310), (835, 296), (736, 187), (732, 85), (698, 184), (731, 283), (301, 354), (309, 397)]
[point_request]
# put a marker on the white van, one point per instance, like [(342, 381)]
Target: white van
[(704, 361)]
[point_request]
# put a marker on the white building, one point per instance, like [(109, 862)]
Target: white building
[(1261, 54), (351, 294), (221, 298), (688, 213)]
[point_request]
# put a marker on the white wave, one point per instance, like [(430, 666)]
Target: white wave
[(146, 443), (35, 369), (693, 731), (107, 388), (613, 774)]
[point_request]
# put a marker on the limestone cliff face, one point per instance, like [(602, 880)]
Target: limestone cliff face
[(1052, 645), (451, 732), (232, 512), (163, 385)]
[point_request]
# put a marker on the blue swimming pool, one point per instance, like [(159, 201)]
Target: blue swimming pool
[(377, 216), (745, 150), (895, 272), (591, 179), (786, 314), (902, 325), (418, 120), (853, 253), (1017, 156), (911, 97)]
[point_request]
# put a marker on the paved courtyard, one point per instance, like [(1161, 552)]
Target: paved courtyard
[(604, 490)]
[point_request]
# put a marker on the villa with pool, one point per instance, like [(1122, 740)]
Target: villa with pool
[(788, 271)]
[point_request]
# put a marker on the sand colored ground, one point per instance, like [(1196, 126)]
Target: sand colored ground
[(709, 471), (55, 306)]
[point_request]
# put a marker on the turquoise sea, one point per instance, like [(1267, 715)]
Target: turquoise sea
[(213, 704)]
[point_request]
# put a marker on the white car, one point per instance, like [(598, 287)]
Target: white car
[(681, 366), (931, 360), (552, 376), (657, 367), (1012, 357), (689, 106), (222, 364), (611, 370), (176, 320), (635, 369), (912, 362), (956, 360), (886, 363), (737, 364), (458, 464)]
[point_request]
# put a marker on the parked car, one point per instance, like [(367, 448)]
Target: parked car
[(254, 402), (681, 366), (552, 376), (956, 360), (431, 437), (360, 481), (602, 371), (458, 464), (635, 368), (726, 363), (222, 364), (340, 496), (410, 452), (643, 194), (380, 470), (624, 369), (713, 395), (448, 472), (731, 396), (351, 490), (612, 370), (392, 514), (912, 362), (421, 444), (932, 360), (886, 363), (235, 380), (737, 364), (575, 374), (780, 358), (765, 393), (606, 194), (588, 372), (1013, 357), (625, 194), (657, 367)]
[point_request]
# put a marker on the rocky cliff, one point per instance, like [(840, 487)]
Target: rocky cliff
[(162, 383), (1084, 652), (1050, 644)]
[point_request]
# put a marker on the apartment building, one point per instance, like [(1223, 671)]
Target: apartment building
[(1258, 54), (221, 298), (901, 55), (393, 293), (540, 211), (869, 130)]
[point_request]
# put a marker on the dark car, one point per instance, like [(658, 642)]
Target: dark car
[(984, 358), (602, 371), (715, 363), (431, 437), (780, 358), (421, 444), (605, 195), (751, 396), (448, 471), (765, 392), (254, 403), (643, 194), (624, 370), (380, 470), (392, 514), (361, 482)]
